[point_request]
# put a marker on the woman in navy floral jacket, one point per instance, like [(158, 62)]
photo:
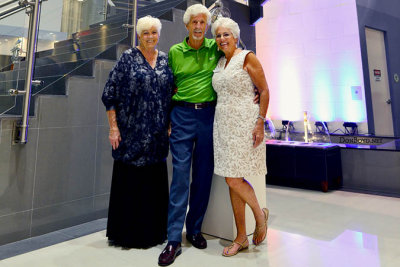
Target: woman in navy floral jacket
[(137, 97)]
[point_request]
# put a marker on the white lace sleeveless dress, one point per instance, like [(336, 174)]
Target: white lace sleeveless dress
[(235, 118)]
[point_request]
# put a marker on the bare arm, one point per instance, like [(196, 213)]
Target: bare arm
[(114, 134), (253, 67)]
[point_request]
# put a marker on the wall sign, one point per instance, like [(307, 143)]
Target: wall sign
[(377, 75)]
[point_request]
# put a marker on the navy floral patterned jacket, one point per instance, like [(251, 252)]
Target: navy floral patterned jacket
[(141, 97)]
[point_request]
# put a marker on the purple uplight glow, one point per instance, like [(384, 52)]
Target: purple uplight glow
[(264, 2), (311, 57), (254, 24)]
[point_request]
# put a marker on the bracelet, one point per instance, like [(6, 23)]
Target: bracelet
[(261, 117)]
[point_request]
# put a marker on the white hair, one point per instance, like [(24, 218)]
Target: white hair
[(146, 23), (195, 10), (226, 23)]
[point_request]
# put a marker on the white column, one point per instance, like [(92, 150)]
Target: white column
[(219, 220)]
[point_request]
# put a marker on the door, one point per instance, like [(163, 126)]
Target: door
[(379, 81)]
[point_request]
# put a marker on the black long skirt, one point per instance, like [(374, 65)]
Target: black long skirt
[(138, 210)]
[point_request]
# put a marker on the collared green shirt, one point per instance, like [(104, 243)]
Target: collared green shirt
[(193, 70)]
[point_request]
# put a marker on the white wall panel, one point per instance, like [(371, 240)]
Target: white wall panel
[(310, 51)]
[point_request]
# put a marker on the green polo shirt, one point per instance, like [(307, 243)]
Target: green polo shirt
[(193, 70)]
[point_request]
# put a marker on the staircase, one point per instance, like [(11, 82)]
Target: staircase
[(76, 56)]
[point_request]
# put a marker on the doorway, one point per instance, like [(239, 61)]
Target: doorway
[(379, 81)]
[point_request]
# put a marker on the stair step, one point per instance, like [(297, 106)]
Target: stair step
[(75, 56), (74, 46), (104, 33), (80, 67), (104, 51), (154, 10), (5, 61), (14, 104), (20, 84), (128, 3), (6, 103)]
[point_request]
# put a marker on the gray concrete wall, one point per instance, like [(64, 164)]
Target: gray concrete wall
[(371, 171), (61, 177)]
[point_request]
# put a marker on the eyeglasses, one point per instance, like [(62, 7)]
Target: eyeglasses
[(225, 35)]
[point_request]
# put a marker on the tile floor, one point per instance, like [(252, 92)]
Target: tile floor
[(306, 228)]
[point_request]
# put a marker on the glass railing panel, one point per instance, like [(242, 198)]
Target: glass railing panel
[(71, 35), (90, 29), (13, 35), (74, 32), (157, 8), (61, 19)]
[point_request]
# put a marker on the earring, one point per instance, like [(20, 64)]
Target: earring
[(217, 48)]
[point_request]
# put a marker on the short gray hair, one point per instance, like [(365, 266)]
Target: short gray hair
[(145, 23), (195, 10), (226, 23)]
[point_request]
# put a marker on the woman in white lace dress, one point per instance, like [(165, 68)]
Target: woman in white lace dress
[(239, 150)]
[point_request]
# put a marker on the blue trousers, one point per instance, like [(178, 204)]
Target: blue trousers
[(191, 143)]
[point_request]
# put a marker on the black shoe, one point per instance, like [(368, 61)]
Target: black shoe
[(169, 254), (197, 240)]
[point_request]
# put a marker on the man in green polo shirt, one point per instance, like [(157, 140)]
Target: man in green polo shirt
[(192, 117), (193, 70)]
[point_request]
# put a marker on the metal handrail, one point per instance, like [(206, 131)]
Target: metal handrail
[(133, 23), (12, 13), (134, 17), (7, 3), (11, 9), (33, 10), (105, 9), (30, 58)]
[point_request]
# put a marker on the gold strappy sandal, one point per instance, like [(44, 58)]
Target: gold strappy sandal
[(227, 250), (261, 227)]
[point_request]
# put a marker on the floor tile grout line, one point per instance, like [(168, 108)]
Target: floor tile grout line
[(14, 213), (57, 204), (34, 177), (63, 203), (96, 66)]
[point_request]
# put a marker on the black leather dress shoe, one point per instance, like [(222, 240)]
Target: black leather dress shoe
[(197, 240), (169, 254)]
